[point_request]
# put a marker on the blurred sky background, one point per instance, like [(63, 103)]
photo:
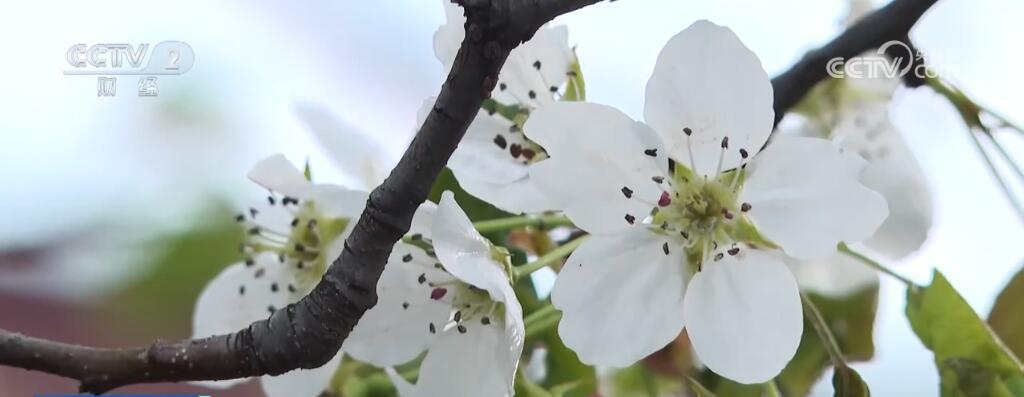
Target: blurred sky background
[(88, 181)]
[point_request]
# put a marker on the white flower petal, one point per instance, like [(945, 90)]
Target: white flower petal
[(303, 382), (705, 79), (893, 172), (535, 67), (479, 157), (471, 364), (335, 201), (621, 297), (278, 174), (744, 317), (448, 37), (463, 251), (521, 196), (396, 330), (838, 276), (423, 219), (806, 197), (237, 296), (350, 148), (597, 151)]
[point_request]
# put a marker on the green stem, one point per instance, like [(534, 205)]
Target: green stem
[(512, 222), (874, 264), (821, 328), (541, 320), (1003, 185), (772, 389), (550, 258)]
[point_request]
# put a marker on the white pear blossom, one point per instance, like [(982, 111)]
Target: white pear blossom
[(291, 239), (854, 112), (445, 290), (492, 159), (686, 215), (350, 148)]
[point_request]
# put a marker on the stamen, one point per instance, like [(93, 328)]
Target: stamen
[(500, 141), (651, 152), (721, 156), (438, 293), (689, 148), (630, 219), (664, 200), (745, 207), (626, 191), (733, 251)]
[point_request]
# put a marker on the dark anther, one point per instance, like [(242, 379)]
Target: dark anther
[(253, 212), (500, 141), (422, 279), (745, 207), (485, 320), (553, 89), (664, 247), (502, 86), (271, 200), (685, 234), (295, 222), (432, 329), (743, 153), (291, 288), (532, 95), (438, 293), (687, 131), (536, 64), (407, 258), (515, 150), (271, 309), (241, 290), (651, 152), (250, 261), (458, 316), (240, 218), (719, 256), (405, 305), (658, 179), (529, 153), (289, 200), (273, 287), (664, 200), (733, 251), (630, 219), (462, 329), (627, 192), (725, 142), (259, 272), (726, 213)]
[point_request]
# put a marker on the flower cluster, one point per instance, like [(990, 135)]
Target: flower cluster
[(693, 215)]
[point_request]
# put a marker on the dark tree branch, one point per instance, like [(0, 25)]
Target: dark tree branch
[(308, 333), (892, 22)]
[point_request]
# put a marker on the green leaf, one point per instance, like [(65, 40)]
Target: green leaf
[(851, 320), (847, 383), (637, 381), (476, 209), (969, 356), (576, 88), (564, 367), (1006, 319)]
